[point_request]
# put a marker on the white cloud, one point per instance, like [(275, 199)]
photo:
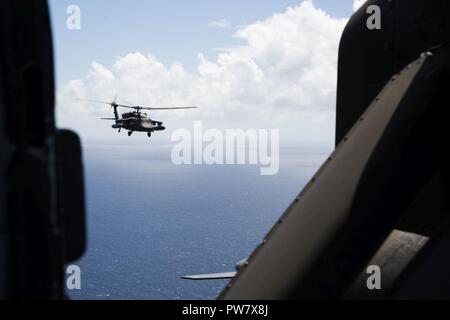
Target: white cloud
[(222, 23), (284, 74), (358, 4)]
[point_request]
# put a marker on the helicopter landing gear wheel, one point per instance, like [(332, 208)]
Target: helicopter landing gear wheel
[(149, 134), (120, 129), (130, 133)]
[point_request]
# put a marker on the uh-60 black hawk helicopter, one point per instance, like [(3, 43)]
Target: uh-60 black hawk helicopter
[(136, 120)]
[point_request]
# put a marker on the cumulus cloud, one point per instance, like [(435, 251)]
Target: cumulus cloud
[(358, 4), (222, 23), (285, 71)]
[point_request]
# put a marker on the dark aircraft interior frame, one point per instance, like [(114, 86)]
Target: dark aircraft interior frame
[(42, 223), (381, 198)]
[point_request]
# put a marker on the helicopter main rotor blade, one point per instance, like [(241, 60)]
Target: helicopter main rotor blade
[(138, 107), (113, 103), (128, 107), (163, 108), (174, 108)]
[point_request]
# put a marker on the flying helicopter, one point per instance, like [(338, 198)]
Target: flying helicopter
[(135, 120)]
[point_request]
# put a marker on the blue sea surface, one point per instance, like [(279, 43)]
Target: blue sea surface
[(150, 222)]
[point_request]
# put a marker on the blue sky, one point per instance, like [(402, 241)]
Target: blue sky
[(280, 72), (172, 30)]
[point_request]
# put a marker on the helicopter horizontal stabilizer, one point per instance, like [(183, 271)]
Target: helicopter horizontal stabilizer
[(138, 108), (211, 276)]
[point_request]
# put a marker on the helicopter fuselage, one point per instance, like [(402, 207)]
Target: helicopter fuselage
[(135, 121)]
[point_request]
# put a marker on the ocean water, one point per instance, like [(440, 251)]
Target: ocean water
[(150, 222)]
